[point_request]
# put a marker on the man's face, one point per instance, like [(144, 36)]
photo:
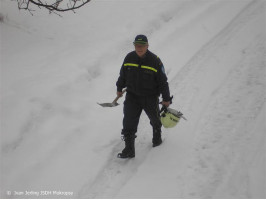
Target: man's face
[(141, 49)]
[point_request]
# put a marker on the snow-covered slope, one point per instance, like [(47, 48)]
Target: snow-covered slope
[(54, 136)]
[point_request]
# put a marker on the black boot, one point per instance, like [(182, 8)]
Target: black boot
[(129, 150), (157, 139)]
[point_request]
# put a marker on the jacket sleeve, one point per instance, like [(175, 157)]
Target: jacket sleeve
[(163, 84), (121, 82)]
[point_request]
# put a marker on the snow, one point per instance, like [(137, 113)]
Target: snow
[(54, 70)]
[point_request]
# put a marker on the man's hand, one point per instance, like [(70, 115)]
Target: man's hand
[(166, 103), (119, 94)]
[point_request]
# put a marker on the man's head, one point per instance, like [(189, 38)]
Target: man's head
[(141, 45)]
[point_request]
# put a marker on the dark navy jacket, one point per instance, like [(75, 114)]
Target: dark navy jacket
[(143, 76)]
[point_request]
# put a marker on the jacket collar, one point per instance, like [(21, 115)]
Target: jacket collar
[(146, 54)]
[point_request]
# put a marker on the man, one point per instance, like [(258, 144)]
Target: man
[(143, 74)]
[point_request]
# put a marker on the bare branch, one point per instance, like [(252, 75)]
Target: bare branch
[(56, 5)]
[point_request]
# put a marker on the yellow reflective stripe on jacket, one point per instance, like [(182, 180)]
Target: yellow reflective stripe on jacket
[(142, 66), (131, 64), (147, 67)]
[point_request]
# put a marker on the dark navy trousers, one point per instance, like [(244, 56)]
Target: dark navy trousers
[(133, 106)]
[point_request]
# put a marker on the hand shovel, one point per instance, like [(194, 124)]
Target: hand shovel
[(114, 103)]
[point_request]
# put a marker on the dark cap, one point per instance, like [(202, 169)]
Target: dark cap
[(141, 39)]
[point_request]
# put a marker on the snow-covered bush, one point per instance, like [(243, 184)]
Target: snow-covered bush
[(2, 17)]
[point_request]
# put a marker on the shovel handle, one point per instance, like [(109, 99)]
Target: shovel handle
[(115, 100)]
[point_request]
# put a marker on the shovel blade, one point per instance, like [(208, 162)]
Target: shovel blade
[(108, 104)]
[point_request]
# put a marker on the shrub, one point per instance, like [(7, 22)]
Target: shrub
[(2, 17)]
